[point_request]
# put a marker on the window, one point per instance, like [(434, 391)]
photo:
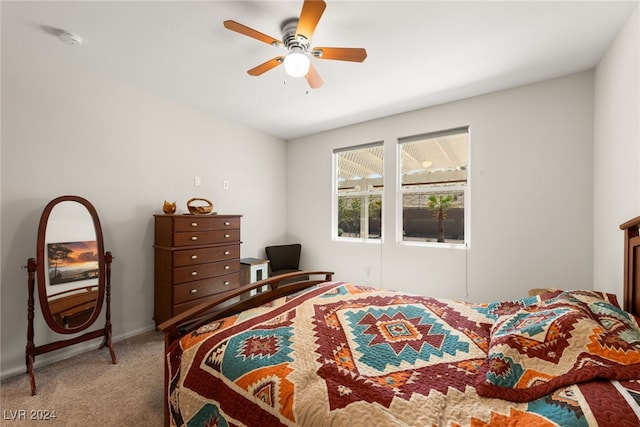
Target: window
[(358, 192), (433, 186)]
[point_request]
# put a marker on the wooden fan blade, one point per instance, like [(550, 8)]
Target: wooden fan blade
[(354, 54), (266, 66), (243, 29), (313, 78), (309, 17)]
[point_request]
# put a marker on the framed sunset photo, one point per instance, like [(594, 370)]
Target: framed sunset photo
[(72, 261)]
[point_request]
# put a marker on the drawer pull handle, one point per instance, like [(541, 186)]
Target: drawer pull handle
[(193, 291), (194, 256), (194, 237), (227, 223), (226, 267), (194, 273), (227, 283), (194, 224), (227, 252), (226, 236)]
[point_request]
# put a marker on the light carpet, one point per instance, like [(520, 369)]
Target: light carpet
[(88, 389)]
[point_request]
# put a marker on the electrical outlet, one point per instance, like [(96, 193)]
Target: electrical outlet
[(197, 182), (367, 274), (225, 184)]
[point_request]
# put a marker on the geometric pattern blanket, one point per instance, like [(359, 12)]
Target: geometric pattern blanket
[(341, 354)]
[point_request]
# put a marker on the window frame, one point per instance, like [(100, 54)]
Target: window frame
[(401, 192), (364, 194)]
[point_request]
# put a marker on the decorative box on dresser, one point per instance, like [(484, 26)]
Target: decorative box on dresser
[(196, 256)]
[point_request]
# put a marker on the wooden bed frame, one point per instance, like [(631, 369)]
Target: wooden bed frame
[(231, 302), (631, 302), (238, 300)]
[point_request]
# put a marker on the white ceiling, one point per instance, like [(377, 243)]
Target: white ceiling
[(420, 53)]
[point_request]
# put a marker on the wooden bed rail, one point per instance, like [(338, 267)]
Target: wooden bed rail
[(239, 299), (631, 230), (231, 302)]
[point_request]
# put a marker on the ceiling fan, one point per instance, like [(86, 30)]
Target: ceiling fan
[(296, 38)]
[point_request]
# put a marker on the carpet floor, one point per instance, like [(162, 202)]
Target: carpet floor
[(88, 390)]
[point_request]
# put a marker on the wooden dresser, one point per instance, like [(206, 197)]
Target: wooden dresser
[(196, 256)]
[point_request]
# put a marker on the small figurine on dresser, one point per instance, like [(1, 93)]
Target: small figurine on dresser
[(169, 207)]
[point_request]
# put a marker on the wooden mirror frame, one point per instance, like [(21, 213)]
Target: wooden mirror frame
[(39, 266), (42, 267)]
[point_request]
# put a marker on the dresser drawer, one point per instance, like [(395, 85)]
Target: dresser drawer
[(205, 255), (204, 271), (202, 288), (204, 223), (205, 237)]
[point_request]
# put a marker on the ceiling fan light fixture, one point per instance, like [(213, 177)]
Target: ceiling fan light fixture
[(296, 39), (296, 64)]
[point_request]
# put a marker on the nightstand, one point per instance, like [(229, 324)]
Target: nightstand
[(253, 270)]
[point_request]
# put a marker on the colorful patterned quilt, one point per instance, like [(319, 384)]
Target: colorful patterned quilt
[(340, 354)]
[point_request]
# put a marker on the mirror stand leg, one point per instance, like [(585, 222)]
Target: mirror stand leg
[(106, 342), (31, 348), (113, 353), (32, 377), (107, 327)]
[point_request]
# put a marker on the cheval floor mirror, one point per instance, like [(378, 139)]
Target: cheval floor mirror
[(74, 278)]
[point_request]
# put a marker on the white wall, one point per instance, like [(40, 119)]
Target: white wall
[(68, 131), (617, 153), (531, 183)]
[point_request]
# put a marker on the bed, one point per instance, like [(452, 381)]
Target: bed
[(318, 352)]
